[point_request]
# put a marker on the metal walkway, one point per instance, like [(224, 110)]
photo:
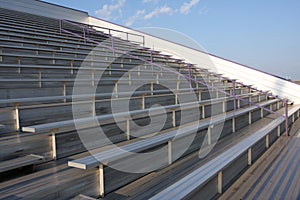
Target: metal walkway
[(276, 175)]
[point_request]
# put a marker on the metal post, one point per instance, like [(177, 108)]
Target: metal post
[(286, 117), (128, 129), (101, 180), (84, 38), (17, 117), (190, 76), (234, 95), (170, 159), (60, 26), (53, 141), (112, 46)]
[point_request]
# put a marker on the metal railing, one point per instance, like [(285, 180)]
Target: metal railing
[(87, 29)]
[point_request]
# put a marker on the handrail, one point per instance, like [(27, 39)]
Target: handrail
[(105, 28), (189, 77)]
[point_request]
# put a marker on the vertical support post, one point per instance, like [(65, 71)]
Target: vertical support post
[(110, 69), (116, 89), (233, 125), (129, 78), (203, 111), (209, 135), (170, 159), (176, 98), (64, 90), (250, 156), (60, 26), (224, 106), (112, 46), (143, 101), (53, 140), (278, 131), (293, 117), (151, 57), (174, 118), (139, 70), (143, 41), (286, 117), (53, 56), (190, 76), (101, 180), (220, 182), (267, 141), (250, 118), (84, 37), (234, 95), (40, 77), (128, 129), (151, 87), (177, 84), (93, 101), (200, 95), (72, 65), (17, 117)]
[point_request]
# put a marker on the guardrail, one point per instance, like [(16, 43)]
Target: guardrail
[(88, 28)]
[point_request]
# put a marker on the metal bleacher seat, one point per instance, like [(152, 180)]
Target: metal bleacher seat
[(39, 64)]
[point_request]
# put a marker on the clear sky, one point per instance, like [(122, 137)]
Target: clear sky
[(264, 34)]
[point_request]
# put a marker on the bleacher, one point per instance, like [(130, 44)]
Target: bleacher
[(49, 67)]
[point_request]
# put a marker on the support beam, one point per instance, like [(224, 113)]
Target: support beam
[(101, 180), (128, 129), (151, 88), (174, 118), (220, 182), (53, 141), (209, 135), (64, 90), (129, 78), (286, 118), (143, 101), (250, 156), (17, 117), (203, 111), (267, 141), (234, 95), (40, 77), (116, 89), (250, 118), (200, 95), (93, 106), (278, 131), (224, 106), (233, 125), (72, 65), (170, 157)]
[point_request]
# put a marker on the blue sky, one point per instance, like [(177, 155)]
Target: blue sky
[(262, 34)]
